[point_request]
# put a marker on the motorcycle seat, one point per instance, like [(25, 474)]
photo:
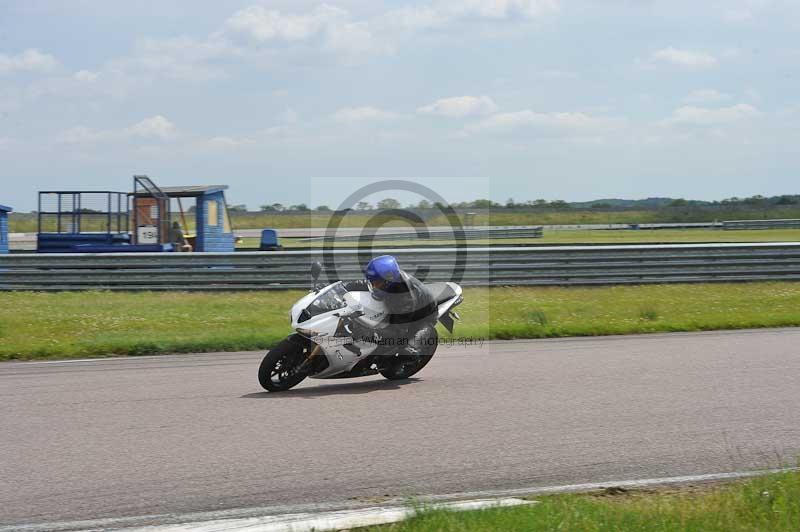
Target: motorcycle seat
[(441, 292)]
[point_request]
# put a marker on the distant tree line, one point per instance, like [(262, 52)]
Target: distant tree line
[(752, 202), (542, 204)]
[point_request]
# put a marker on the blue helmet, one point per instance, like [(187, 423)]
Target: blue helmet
[(384, 272)]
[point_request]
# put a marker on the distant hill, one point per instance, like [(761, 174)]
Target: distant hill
[(647, 203)]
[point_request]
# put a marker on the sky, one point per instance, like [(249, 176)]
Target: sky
[(304, 102)]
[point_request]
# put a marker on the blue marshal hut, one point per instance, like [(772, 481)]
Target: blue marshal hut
[(4, 228), (213, 230)]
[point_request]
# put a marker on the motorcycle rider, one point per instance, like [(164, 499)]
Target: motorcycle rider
[(411, 306)]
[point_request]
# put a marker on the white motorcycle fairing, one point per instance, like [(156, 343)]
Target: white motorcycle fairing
[(319, 316)]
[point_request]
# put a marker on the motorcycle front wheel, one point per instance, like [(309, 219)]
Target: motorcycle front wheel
[(278, 370), (407, 365)]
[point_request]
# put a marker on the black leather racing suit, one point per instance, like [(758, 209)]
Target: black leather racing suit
[(411, 307)]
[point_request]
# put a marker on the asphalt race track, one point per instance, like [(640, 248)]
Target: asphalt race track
[(181, 434)]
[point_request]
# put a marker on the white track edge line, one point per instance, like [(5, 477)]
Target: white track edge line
[(120, 523), (319, 522)]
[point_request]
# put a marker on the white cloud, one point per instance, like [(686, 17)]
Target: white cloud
[(337, 30), (290, 129), (732, 52), (744, 10), (691, 59), (153, 128), (180, 58), (460, 106), (354, 38), (262, 24), (30, 60), (230, 142), (701, 96), (499, 9), (152, 61), (415, 18), (562, 123), (444, 12), (86, 76), (702, 116), (363, 114), (738, 15), (555, 74), (333, 29), (83, 135)]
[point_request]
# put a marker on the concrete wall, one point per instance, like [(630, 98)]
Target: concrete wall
[(213, 237)]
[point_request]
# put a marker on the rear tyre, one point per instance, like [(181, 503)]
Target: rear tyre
[(278, 370), (407, 365)]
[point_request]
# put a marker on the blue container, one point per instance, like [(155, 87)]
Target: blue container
[(214, 232), (269, 240), (4, 228)]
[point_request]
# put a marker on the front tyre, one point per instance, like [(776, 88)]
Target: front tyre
[(427, 340), (278, 371)]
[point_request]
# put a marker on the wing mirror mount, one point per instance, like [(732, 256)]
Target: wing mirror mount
[(316, 270)]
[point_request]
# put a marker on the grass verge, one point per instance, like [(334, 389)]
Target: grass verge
[(27, 222), (659, 236), (37, 325), (768, 503)]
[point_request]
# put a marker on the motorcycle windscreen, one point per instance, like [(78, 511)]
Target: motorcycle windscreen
[(332, 299)]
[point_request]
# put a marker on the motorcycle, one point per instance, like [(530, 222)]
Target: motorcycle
[(327, 343)]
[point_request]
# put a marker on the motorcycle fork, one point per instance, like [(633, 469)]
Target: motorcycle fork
[(307, 362)]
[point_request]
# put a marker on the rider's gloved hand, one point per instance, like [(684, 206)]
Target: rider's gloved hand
[(353, 311)]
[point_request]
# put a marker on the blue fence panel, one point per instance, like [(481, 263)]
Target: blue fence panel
[(4, 229)]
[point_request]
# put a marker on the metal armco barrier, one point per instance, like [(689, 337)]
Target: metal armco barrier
[(761, 224), (563, 265), (448, 234)]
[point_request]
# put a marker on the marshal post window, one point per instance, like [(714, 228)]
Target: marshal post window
[(213, 214)]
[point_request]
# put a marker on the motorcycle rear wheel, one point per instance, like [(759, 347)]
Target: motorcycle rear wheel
[(277, 372), (408, 365)]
